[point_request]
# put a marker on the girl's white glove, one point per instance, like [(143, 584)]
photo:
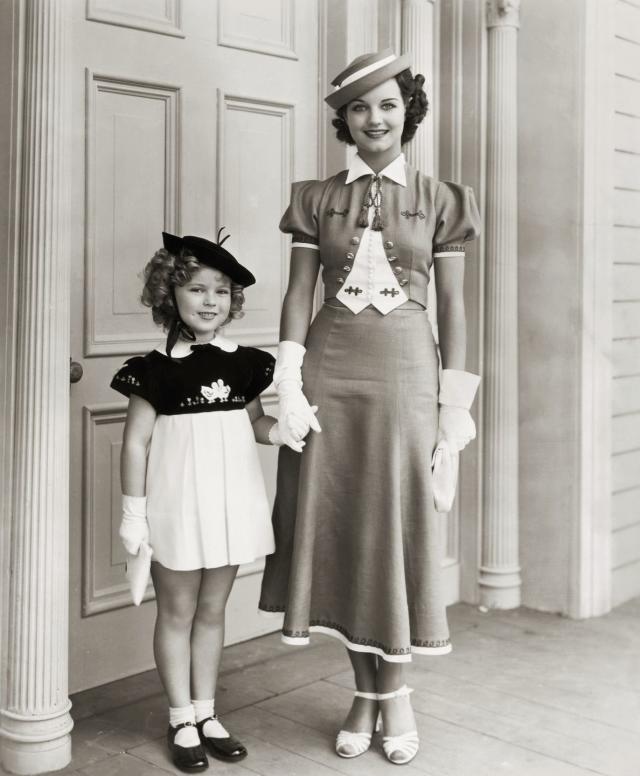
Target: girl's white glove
[(297, 416), (134, 529), (277, 438), (457, 392)]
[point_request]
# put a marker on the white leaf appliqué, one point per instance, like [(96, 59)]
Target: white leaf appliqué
[(218, 391)]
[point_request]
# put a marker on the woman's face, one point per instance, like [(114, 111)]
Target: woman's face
[(204, 302), (376, 119)]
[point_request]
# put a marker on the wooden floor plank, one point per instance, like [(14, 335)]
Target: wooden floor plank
[(557, 662), (295, 736), (123, 765), (156, 753), (524, 693), (549, 731), (447, 749), (297, 667)]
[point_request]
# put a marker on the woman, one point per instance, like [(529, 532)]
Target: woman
[(357, 550)]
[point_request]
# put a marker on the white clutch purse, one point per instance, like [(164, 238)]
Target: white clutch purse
[(138, 572), (444, 468)]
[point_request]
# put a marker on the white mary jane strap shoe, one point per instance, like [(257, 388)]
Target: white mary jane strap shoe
[(350, 744), (404, 746)]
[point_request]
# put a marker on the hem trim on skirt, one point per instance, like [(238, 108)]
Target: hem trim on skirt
[(301, 641)]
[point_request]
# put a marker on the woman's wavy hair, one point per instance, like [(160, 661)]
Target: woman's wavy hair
[(163, 273), (415, 102)]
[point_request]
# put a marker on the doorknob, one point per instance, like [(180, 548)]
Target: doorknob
[(75, 371)]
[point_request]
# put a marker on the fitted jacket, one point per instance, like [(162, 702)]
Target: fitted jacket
[(422, 220)]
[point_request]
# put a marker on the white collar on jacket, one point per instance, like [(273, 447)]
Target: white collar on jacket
[(395, 171)]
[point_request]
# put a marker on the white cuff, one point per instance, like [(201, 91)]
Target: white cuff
[(274, 436), (447, 254), (134, 506), (289, 362), (458, 388), (313, 246)]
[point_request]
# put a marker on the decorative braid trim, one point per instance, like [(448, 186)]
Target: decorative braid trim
[(429, 644), (460, 248), (270, 608), (298, 237)]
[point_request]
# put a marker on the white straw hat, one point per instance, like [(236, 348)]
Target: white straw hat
[(364, 73)]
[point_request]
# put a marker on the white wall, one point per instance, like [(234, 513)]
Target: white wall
[(549, 169), (625, 151)]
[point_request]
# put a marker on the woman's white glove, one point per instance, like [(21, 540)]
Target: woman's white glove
[(134, 529), (297, 416), (457, 392)]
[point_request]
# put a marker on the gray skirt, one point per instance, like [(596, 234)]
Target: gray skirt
[(357, 536)]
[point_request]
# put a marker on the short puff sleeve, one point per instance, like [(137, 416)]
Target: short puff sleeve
[(301, 217), (133, 378), (262, 365), (457, 219)]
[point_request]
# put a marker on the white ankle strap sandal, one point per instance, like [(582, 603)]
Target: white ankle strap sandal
[(403, 748), (350, 744)]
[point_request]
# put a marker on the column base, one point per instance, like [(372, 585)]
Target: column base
[(35, 744), (500, 588)]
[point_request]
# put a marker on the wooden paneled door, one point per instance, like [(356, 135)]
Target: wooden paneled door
[(187, 116)]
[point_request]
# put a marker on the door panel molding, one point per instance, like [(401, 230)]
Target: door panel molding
[(236, 15), (168, 22), (132, 147), (246, 203), (104, 586)]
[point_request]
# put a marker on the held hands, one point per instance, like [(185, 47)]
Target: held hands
[(291, 435), (134, 529), (457, 392), (297, 416)]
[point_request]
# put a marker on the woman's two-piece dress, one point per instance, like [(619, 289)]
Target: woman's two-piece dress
[(358, 551), (206, 501)]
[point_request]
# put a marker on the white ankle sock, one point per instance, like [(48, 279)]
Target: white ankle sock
[(187, 736), (213, 728), (203, 709)]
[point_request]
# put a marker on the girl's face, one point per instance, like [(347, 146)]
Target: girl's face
[(376, 120), (204, 302)]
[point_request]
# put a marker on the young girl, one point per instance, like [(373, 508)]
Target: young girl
[(191, 478)]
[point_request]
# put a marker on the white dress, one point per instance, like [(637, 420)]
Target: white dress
[(206, 501)]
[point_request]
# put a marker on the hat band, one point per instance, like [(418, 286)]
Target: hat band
[(365, 71)]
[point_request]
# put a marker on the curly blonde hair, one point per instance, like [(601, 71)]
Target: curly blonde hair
[(163, 273)]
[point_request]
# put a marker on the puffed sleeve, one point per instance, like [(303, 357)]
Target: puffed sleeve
[(262, 365), (457, 219), (301, 217), (133, 378)]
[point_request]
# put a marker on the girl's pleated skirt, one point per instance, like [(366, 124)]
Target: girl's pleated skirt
[(358, 551)]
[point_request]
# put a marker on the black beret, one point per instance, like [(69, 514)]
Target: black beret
[(211, 255)]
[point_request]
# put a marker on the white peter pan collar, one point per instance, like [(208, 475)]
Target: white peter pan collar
[(395, 171), (224, 344)]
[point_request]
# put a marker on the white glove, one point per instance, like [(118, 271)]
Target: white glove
[(457, 392), (297, 416), (444, 465), (134, 529), (294, 439)]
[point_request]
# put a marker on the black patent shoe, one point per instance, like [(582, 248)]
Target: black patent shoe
[(228, 749), (190, 759)]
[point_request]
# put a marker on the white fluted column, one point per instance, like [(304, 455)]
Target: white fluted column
[(500, 571), (418, 38), (36, 723)]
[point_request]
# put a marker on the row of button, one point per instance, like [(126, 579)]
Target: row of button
[(398, 270), (351, 256)]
